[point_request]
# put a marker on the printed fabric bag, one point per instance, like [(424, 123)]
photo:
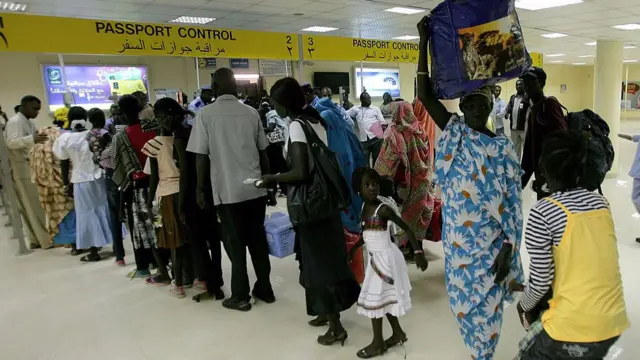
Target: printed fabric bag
[(475, 43)]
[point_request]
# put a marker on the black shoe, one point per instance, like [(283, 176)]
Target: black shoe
[(365, 354), (331, 338), (267, 299), (233, 304), (218, 294), (319, 321), (638, 240)]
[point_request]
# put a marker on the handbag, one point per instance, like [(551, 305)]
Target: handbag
[(475, 43), (325, 192), (276, 136)]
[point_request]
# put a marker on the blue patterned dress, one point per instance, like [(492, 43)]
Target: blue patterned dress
[(482, 207)]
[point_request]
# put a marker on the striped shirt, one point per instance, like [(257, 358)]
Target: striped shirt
[(545, 229)]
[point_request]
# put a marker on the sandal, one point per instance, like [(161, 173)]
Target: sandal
[(138, 274), (391, 342), (158, 280), (76, 252), (365, 354), (90, 258)]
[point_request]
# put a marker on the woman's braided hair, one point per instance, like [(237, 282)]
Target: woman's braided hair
[(563, 158)]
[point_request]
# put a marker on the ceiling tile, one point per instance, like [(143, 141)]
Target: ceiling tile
[(181, 3), (225, 5), (164, 10)]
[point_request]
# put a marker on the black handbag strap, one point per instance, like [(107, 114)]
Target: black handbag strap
[(313, 140)]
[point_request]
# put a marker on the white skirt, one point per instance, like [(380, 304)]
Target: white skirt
[(386, 284)]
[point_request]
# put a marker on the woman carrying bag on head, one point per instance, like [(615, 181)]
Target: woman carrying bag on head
[(325, 272)]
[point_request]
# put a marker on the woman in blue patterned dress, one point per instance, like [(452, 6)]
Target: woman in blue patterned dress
[(479, 174)]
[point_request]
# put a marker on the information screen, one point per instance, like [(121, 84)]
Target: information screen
[(378, 81), (92, 86)]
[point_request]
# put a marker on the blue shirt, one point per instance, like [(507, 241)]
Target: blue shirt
[(635, 168)]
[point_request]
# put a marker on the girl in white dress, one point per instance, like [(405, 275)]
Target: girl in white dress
[(386, 287)]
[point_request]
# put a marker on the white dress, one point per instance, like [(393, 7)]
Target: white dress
[(386, 284)]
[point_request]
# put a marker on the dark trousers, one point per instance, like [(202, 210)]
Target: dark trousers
[(545, 348), (144, 257), (113, 200), (243, 227), (205, 235), (371, 150)]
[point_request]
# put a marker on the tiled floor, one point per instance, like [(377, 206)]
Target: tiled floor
[(52, 307)]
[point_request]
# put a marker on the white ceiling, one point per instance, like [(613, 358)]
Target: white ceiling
[(589, 21)]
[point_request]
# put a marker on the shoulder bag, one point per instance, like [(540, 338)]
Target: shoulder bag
[(325, 192)]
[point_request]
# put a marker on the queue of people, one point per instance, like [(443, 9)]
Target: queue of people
[(187, 181)]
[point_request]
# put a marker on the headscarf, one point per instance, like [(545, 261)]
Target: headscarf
[(427, 124), (348, 149), (405, 157), (47, 175)]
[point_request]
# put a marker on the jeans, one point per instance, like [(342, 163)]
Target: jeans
[(243, 227), (517, 137), (545, 348), (371, 150), (113, 200)]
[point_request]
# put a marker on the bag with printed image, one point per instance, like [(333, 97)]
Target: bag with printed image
[(474, 43)]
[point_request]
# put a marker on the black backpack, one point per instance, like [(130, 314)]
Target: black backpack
[(600, 152)]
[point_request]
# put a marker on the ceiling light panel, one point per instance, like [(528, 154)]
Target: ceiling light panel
[(406, 37), (556, 62), (553, 35), (555, 55), (627, 27), (192, 20), (320, 29), (630, 61), (405, 11), (544, 4), (579, 64), (11, 6), (593, 43), (586, 56)]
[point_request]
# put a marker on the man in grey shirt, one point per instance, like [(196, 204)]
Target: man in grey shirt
[(230, 142)]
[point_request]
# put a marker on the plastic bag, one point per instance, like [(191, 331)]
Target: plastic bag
[(475, 43)]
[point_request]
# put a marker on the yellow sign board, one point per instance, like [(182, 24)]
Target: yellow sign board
[(332, 48), (536, 59), (29, 33)]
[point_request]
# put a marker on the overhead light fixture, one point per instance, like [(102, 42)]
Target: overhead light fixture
[(593, 43), (11, 6), (246, 76), (320, 29), (579, 64), (544, 4), (192, 20), (404, 10), (627, 27), (630, 47), (586, 56), (553, 35), (630, 61), (556, 62), (555, 55), (406, 37)]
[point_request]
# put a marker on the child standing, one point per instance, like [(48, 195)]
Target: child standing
[(385, 291), (635, 173)]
